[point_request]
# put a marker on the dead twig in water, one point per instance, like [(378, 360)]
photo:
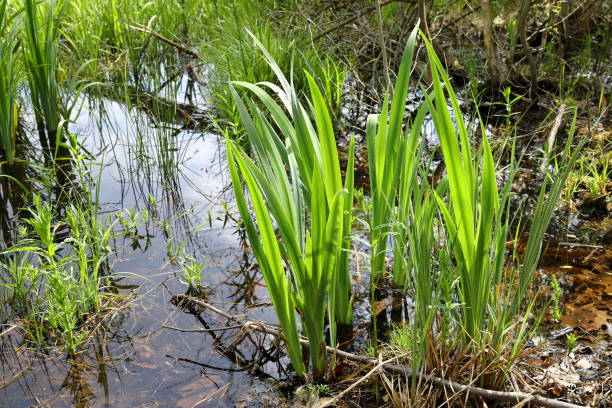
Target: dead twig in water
[(238, 326), (455, 387), (222, 391)]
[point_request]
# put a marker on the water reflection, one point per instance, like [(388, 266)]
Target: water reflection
[(175, 173)]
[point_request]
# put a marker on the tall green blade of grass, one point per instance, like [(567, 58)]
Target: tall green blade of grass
[(40, 51), (295, 184), (310, 147), (409, 189), (8, 85), (342, 300), (267, 252), (385, 141)]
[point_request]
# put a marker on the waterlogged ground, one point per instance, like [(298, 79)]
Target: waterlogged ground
[(136, 362), (178, 178)]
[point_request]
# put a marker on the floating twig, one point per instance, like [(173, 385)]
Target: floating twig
[(238, 326)]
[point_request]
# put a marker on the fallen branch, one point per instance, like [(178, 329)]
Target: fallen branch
[(214, 329), (168, 41), (455, 387), (358, 15), (338, 397)]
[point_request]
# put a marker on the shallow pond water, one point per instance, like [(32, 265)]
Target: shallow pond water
[(178, 175)]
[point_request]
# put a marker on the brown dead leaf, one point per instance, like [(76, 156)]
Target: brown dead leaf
[(588, 304), (557, 390), (380, 306)]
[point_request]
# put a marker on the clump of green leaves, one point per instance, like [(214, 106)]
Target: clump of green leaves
[(448, 239), (294, 183), (308, 394), (572, 340), (57, 284), (191, 271)]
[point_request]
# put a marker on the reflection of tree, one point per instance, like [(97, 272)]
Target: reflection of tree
[(248, 350), (147, 155), (76, 382), (14, 185), (244, 281)]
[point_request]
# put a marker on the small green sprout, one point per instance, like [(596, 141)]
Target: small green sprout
[(572, 339)]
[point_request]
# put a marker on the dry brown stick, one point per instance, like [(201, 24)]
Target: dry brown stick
[(357, 16), (550, 141), (237, 326), (489, 42), (522, 32), (157, 35), (457, 388), (383, 47)]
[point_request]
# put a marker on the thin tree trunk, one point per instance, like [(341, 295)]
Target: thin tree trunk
[(522, 32), (489, 42), (383, 47)]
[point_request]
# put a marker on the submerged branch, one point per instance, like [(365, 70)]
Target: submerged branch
[(455, 387)]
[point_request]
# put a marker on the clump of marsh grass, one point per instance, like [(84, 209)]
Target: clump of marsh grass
[(448, 238), (55, 284), (8, 84), (41, 44), (294, 183), (462, 285)]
